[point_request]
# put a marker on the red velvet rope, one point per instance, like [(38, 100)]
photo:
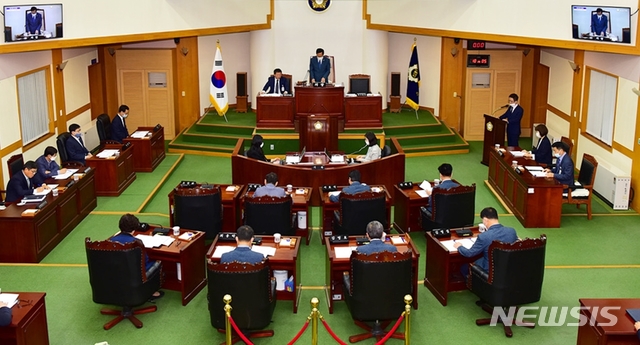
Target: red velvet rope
[(335, 337), (304, 328), (393, 330), (235, 327)]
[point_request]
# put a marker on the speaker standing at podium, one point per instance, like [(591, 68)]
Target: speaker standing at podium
[(276, 84), (319, 67), (513, 115), (33, 22)]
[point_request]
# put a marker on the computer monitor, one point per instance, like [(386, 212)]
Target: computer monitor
[(612, 25), (359, 85), (21, 25)]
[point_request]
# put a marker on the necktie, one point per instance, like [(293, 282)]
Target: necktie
[(124, 123), (277, 85), (81, 142), (28, 184)]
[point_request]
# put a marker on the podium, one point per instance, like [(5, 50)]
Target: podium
[(494, 133), (276, 112), (319, 132)]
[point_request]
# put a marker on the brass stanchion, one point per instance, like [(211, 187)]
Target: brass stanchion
[(227, 325), (314, 321), (407, 319)]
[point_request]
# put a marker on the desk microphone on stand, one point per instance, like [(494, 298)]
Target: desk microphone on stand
[(502, 107)]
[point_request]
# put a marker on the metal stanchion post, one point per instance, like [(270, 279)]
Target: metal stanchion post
[(314, 321), (227, 325), (407, 319)]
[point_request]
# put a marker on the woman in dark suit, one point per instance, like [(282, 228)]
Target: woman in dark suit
[(541, 153), (255, 151)]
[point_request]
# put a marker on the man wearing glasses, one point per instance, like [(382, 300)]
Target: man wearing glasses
[(21, 184)]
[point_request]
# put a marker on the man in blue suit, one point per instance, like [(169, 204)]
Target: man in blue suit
[(277, 84), (243, 252), (563, 171), (33, 22), (319, 67), (599, 23), (47, 166), (495, 232), (354, 187), (119, 129), (513, 115), (270, 187), (76, 151), (445, 170), (376, 236), (21, 183)]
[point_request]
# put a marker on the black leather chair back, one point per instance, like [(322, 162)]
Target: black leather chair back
[(358, 210), (587, 170), (451, 208), (251, 290), (377, 285), (103, 125), (117, 273), (61, 142), (199, 209), (268, 215), (15, 164), (516, 273), (386, 150)]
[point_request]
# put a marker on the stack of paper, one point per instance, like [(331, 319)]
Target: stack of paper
[(66, 175), (425, 185), (266, 251), (466, 242), (10, 299), (344, 252), (336, 193), (139, 134), (155, 241), (534, 168), (231, 188), (107, 153), (46, 191), (517, 154), (221, 250), (539, 174), (398, 240)]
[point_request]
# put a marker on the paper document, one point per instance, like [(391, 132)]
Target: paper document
[(517, 153), (221, 250), (46, 191), (539, 174), (344, 252), (266, 251), (231, 189), (10, 299), (337, 159), (425, 185), (336, 193), (534, 168), (466, 242), (139, 134), (155, 241), (422, 193), (398, 240), (292, 159), (34, 198), (65, 175), (107, 153)]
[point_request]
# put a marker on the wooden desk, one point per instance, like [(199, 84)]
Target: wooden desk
[(336, 266), (148, 152), (30, 239), (300, 203), (182, 264), (535, 201), (29, 322), (286, 258), (386, 171), (363, 112), (622, 332), (329, 207), (275, 112), (406, 210), (320, 100), (231, 211), (442, 268), (113, 175)]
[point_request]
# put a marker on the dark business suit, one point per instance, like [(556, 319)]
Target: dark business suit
[(446, 184), (496, 232), (242, 254), (32, 24), (376, 246), (18, 187), (5, 316), (75, 151), (270, 86), (319, 71), (270, 190), (513, 115), (598, 26), (355, 188), (125, 238), (257, 154), (43, 166), (118, 129), (563, 171), (543, 151)]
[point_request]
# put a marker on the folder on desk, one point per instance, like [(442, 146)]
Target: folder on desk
[(634, 313)]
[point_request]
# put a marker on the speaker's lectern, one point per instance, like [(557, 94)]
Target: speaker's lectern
[(494, 132), (318, 132)]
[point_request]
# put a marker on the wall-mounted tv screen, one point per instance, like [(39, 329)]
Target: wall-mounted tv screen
[(32, 22), (601, 23)]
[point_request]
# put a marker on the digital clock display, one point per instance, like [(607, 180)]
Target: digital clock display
[(476, 45), (478, 61)]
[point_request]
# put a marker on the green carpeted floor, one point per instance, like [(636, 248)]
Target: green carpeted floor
[(585, 259)]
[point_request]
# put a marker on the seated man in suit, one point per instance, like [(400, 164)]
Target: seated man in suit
[(5, 314), (270, 187), (243, 252), (319, 67), (354, 187), (76, 151), (276, 84), (563, 171), (128, 224), (376, 236), (445, 170), (47, 166), (119, 129), (21, 184), (495, 232)]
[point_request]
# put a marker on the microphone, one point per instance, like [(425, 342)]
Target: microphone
[(504, 106), (362, 148), (325, 108), (309, 111)]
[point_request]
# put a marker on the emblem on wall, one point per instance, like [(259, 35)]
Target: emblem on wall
[(319, 6)]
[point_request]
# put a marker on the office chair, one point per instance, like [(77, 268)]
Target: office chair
[(267, 215), (357, 210), (103, 126), (451, 208), (61, 143), (15, 164), (582, 190)]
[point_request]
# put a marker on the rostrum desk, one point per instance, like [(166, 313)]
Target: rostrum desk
[(148, 152), (113, 174), (29, 322)]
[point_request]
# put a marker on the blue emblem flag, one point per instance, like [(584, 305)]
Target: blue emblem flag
[(413, 82)]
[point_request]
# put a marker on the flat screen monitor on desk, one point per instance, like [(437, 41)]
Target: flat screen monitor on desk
[(359, 85), (295, 158)]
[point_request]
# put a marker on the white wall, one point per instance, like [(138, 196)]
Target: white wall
[(76, 92), (560, 78)]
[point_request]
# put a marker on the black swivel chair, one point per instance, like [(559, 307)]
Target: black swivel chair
[(267, 215), (118, 277), (374, 291), (357, 210), (61, 143), (386, 151), (516, 272), (451, 208), (252, 289), (199, 209), (103, 126)]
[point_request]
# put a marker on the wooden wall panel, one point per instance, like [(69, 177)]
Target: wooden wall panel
[(60, 109), (452, 70), (187, 89)]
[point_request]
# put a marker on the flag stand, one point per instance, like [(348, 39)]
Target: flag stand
[(209, 107), (416, 110)]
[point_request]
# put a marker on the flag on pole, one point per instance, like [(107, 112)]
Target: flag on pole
[(218, 86), (413, 82)]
